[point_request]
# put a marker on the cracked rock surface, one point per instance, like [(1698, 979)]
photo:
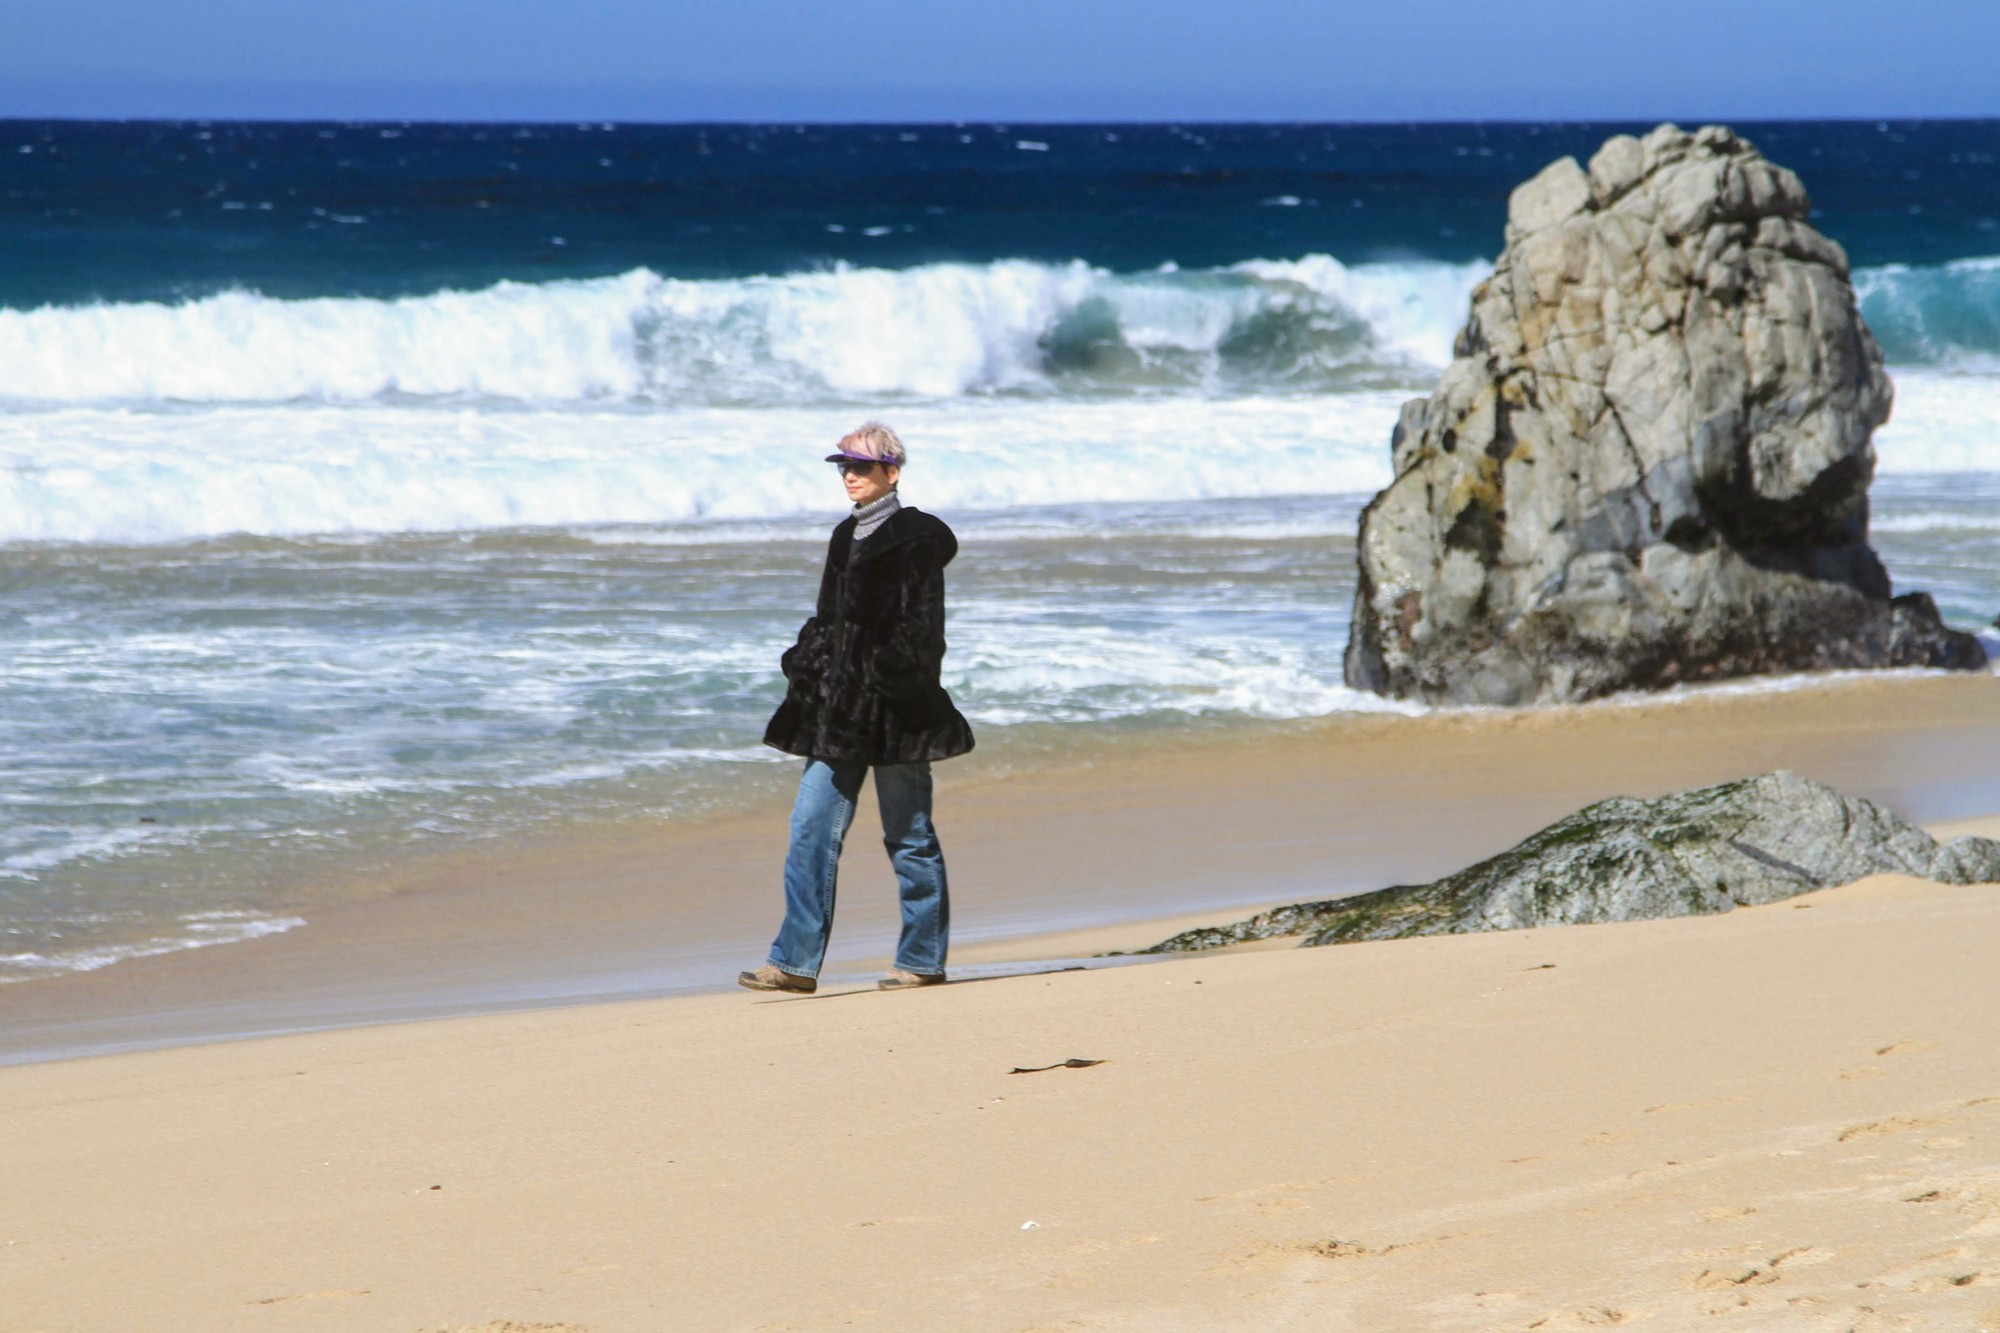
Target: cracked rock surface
[(1736, 844), (1649, 461)]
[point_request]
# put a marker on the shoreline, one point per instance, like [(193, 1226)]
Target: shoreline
[(1153, 832)]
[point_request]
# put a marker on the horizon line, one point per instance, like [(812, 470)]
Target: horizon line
[(693, 122)]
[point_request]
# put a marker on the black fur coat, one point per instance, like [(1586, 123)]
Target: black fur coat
[(862, 680)]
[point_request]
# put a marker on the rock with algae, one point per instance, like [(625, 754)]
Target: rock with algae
[(1736, 844)]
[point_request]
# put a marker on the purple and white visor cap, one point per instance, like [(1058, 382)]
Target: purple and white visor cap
[(870, 444)]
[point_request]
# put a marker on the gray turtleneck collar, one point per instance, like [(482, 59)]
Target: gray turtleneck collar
[(871, 516)]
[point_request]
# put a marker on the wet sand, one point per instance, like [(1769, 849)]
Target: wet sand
[(1170, 831)]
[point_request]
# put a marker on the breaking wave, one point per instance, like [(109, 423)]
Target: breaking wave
[(1946, 315), (848, 334), (935, 331), (640, 399)]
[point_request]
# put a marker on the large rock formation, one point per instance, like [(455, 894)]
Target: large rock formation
[(1649, 461), (1737, 844)]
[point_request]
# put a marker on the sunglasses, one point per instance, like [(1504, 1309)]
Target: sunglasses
[(855, 469)]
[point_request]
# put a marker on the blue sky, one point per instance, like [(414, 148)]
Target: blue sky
[(1024, 60)]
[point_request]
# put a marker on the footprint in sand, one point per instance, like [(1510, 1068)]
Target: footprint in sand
[(1283, 1206), (509, 1326), (1588, 1316), (1895, 1124), (1757, 1275), (1953, 1281), (1109, 1245), (1336, 1248), (1722, 1279), (1906, 1047), (1281, 1187), (309, 1296), (1951, 1261), (1693, 1106)]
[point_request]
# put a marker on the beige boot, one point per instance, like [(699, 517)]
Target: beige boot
[(769, 977), (898, 979)]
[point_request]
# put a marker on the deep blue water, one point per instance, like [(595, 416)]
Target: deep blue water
[(155, 211)]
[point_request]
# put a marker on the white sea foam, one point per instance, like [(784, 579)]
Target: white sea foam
[(1934, 520), (937, 330), (1942, 422), (196, 930), (1072, 673), (79, 847), (118, 476), (130, 476)]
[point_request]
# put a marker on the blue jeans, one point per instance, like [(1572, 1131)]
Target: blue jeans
[(820, 819)]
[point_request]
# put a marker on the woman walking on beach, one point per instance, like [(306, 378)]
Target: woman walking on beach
[(862, 693)]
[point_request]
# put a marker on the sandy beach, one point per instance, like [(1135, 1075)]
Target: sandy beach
[(1786, 1117)]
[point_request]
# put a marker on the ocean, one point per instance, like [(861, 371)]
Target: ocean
[(368, 490)]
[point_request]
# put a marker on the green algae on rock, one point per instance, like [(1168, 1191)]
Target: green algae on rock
[(1737, 844)]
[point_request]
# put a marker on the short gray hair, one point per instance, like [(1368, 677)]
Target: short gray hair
[(872, 439)]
